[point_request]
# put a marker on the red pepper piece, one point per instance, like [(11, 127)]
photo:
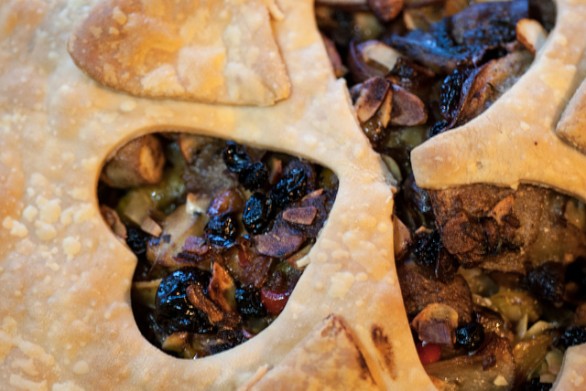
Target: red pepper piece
[(274, 302), (429, 353)]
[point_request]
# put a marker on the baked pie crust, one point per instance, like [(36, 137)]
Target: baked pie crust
[(514, 141), (66, 320), (209, 51)]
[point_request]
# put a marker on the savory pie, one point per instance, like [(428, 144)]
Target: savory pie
[(60, 125), (181, 136)]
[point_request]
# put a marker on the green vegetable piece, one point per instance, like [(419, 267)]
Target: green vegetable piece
[(529, 354), (513, 305)]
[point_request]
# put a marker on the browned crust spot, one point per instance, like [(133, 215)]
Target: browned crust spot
[(385, 348), (336, 326)]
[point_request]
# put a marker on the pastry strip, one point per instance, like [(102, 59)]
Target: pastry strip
[(514, 140)]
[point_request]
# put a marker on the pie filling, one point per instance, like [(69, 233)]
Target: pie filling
[(219, 230), (493, 279)]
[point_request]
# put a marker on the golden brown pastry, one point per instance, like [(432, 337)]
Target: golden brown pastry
[(65, 319), (209, 51)]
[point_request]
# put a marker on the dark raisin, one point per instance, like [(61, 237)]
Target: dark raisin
[(450, 92), (235, 157), (439, 127), (470, 336), (547, 282), (257, 213), (426, 248), (173, 310), (573, 336), (137, 240), (254, 176), (221, 230), (417, 199), (290, 188), (535, 385), (249, 303)]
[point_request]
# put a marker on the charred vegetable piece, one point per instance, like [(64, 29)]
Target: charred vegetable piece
[(465, 38), (420, 289)]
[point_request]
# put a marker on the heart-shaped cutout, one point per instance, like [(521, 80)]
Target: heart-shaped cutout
[(220, 232)]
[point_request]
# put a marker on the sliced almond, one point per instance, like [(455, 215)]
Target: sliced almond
[(140, 162), (151, 227), (401, 239), (371, 96), (408, 109), (374, 51)]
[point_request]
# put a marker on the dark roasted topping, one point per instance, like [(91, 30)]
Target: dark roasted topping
[(451, 90), (426, 248), (137, 240)]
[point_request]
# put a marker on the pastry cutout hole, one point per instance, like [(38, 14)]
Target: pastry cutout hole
[(219, 230)]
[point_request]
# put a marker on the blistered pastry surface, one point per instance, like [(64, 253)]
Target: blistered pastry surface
[(208, 51), (65, 318), (514, 140)]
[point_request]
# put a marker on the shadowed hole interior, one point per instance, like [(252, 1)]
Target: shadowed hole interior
[(220, 231)]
